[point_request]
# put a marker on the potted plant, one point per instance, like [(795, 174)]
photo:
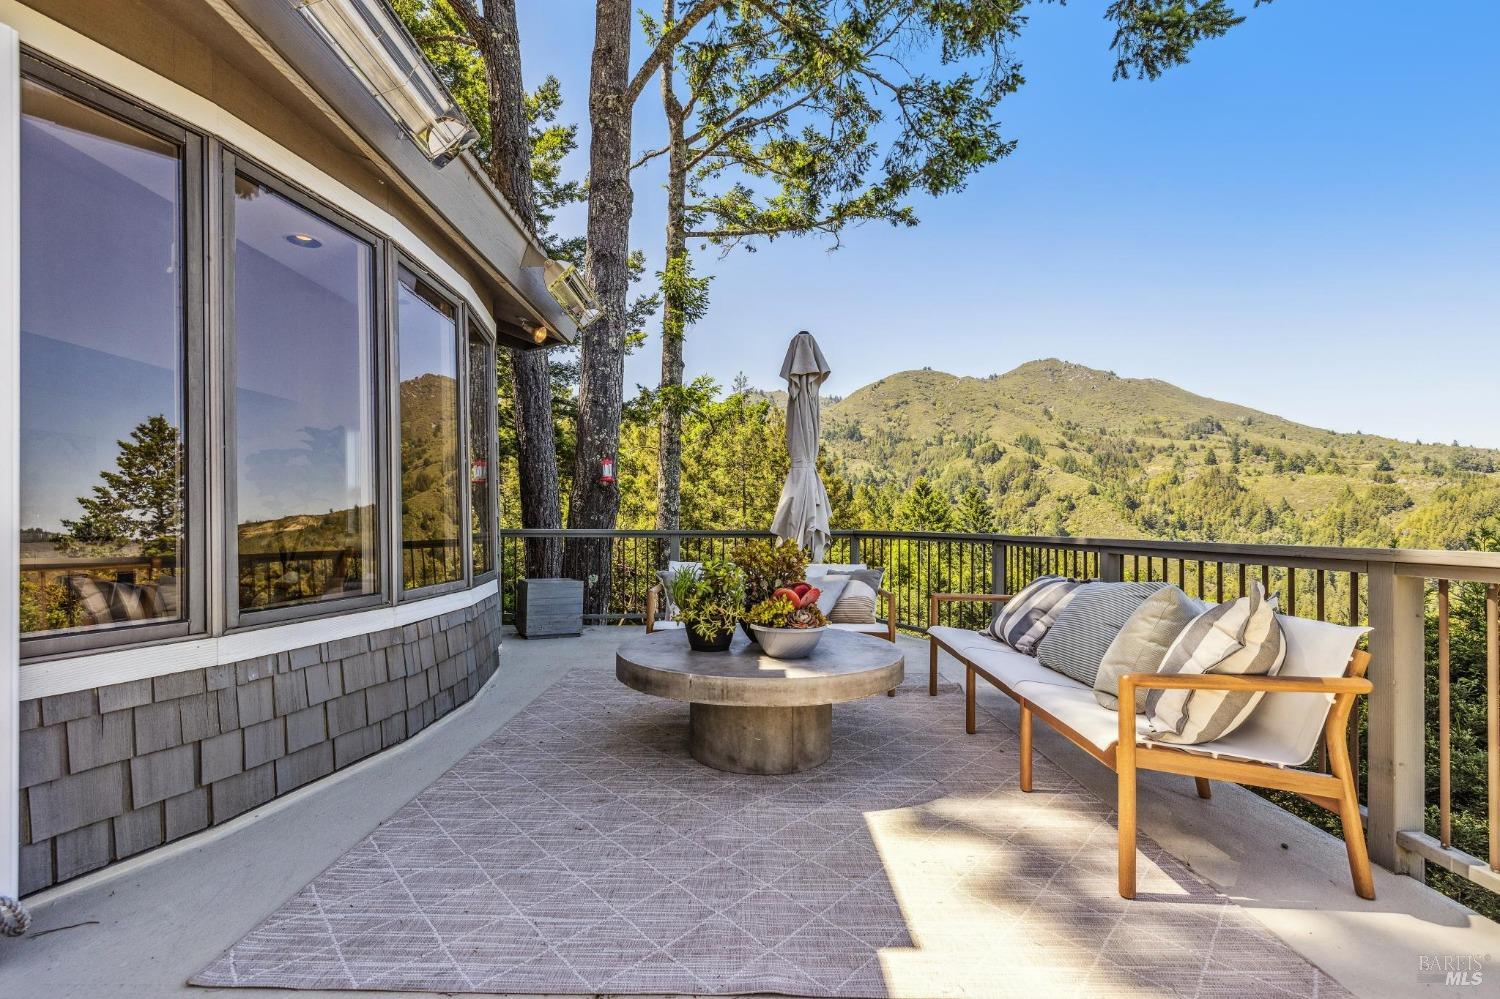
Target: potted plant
[(788, 624), (709, 601), (768, 566)]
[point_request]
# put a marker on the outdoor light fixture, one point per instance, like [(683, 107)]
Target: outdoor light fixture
[(377, 49), (572, 292), (607, 470)]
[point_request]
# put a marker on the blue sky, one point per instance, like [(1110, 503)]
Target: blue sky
[(1305, 219)]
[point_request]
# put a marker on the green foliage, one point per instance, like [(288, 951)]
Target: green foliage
[(779, 612), (768, 565), (711, 598)]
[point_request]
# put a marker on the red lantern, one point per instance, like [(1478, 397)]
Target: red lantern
[(607, 470)]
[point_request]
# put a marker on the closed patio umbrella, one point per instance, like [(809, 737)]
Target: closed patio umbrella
[(802, 513)]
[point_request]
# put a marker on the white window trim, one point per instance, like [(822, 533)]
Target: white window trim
[(84, 672), (10, 423)]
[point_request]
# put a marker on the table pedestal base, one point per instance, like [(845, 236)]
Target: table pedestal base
[(748, 740)]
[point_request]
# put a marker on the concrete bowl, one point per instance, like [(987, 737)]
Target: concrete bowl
[(787, 643)]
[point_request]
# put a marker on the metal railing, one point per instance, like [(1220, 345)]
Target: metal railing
[(1407, 599)]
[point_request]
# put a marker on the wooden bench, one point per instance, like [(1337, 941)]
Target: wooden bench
[(1309, 700)]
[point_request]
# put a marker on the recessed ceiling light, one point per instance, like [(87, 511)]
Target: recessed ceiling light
[(303, 239)]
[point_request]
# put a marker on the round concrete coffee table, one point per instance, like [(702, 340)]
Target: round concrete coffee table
[(752, 714)]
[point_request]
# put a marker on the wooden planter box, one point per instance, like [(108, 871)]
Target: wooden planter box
[(549, 608)]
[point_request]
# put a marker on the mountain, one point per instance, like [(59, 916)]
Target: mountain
[(1054, 447)]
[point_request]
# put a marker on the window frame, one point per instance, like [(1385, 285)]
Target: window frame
[(234, 164), (474, 327), (195, 374), (398, 262)]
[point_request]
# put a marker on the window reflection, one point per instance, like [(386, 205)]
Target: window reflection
[(481, 405), (304, 336), (102, 337), (427, 334)]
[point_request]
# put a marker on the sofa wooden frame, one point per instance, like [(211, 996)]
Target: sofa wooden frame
[(1334, 791)]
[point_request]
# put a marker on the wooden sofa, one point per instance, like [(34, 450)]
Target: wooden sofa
[(1308, 701)]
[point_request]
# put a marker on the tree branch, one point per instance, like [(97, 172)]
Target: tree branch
[(667, 44)]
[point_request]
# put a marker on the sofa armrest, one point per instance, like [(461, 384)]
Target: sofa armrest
[(947, 598), (890, 613), (1266, 684), (653, 600)]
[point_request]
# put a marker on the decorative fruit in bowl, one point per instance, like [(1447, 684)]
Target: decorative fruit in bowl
[(788, 624)]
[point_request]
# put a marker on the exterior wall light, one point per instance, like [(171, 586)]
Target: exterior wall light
[(378, 50), (572, 292), (607, 470)]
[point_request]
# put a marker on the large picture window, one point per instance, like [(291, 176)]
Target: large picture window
[(431, 504), (104, 260), (482, 387), (304, 480)]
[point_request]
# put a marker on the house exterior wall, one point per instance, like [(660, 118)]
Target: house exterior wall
[(120, 750), (111, 772)]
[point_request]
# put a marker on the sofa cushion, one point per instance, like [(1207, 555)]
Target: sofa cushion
[(1239, 638), (857, 602), (1143, 642), (1082, 633), (1073, 705), (1025, 617), (830, 588), (1284, 729), (998, 660), (863, 628)]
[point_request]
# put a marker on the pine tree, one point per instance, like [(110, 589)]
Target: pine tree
[(924, 509), (974, 516), (140, 503)]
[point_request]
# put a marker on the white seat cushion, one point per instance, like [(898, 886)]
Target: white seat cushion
[(873, 628), (1000, 661), (1074, 706), (1283, 730)]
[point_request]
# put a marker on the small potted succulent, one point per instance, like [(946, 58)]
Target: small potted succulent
[(788, 624), (709, 601)]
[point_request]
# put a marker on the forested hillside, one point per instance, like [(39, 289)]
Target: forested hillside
[(1059, 448)]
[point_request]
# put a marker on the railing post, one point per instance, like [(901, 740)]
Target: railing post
[(674, 548), (999, 566), (1396, 792), (854, 550), (1111, 567)]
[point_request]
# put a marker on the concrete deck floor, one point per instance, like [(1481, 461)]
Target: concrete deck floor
[(141, 928)]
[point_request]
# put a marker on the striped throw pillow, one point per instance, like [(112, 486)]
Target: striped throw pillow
[(1075, 644), (1239, 638), (856, 603), (1025, 617)]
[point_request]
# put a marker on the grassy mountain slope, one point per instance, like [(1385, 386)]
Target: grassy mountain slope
[(1055, 447)]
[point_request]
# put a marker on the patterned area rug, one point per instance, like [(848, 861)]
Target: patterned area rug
[(581, 850)]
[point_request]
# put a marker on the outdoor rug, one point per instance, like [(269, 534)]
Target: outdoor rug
[(581, 850)]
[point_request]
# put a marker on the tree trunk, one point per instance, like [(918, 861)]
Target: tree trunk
[(510, 169), (673, 320), (601, 365)]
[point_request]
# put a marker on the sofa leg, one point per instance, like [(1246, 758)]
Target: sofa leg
[(1125, 806), (1025, 749), (891, 692), (932, 668), (1354, 842), (1204, 791), (969, 686)]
